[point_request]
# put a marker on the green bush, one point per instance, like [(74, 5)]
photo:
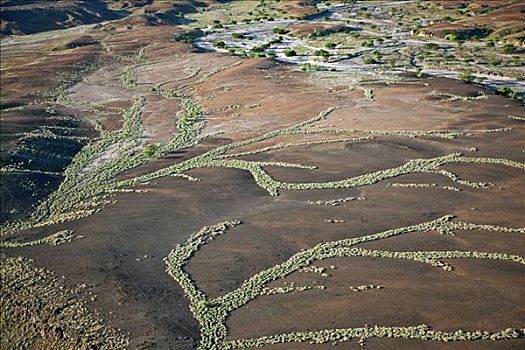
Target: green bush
[(308, 67), (392, 62), (150, 150), (467, 77), (508, 49), (188, 37), (431, 46), (494, 61), (330, 45), (377, 55), (238, 36), (290, 52), (322, 53), (507, 92), (370, 60), (493, 39), (254, 54), (280, 31), (453, 37), (261, 47), (220, 44), (202, 305)]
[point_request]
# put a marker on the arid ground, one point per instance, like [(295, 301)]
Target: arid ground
[(277, 174)]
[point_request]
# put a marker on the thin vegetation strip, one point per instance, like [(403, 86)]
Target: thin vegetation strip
[(421, 332), (60, 237), (85, 178), (212, 314)]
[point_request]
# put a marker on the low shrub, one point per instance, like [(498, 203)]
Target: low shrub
[(431, 46), (238, 36), (494, 61), (188, 37), (290, 52), (150, 150), (452, 37), (507, 92), (322, 53), (467, 77), (508, 49), (280, 31), (370, 60), (308, 67)]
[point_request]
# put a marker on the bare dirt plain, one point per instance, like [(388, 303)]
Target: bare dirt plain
[(161, 190)]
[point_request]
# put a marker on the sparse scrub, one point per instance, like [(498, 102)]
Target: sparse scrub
[(61, 206), (38, 308), (212, 314)]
